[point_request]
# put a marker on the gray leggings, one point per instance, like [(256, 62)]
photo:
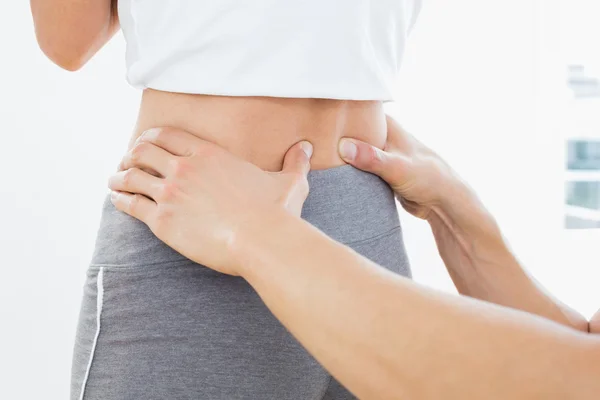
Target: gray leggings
[(155, 325)]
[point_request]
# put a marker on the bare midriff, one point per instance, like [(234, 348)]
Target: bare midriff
[(261, 129)]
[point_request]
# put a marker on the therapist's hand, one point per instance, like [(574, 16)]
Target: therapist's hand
[(418, 176), (195, 196)]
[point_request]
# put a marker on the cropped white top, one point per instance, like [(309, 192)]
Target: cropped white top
[(336, 49)]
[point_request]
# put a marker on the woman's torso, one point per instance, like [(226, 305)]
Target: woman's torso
[(261, 129), (154, 324), (298, 55)]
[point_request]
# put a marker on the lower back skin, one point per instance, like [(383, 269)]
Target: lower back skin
[(261, 129)]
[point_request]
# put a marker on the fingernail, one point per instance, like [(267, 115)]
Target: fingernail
[(347, 149), (308, 148), (147, 133), (113, 196)]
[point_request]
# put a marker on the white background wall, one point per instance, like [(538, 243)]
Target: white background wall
[(483, 83), (480, 84)]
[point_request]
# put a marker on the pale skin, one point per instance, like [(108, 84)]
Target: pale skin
[(444, 342), (380, 334), (70, 32)]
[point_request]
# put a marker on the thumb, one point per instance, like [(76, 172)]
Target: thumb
[(297, 158), (388, 166)]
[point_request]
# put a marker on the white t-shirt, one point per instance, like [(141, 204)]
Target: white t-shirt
[(336, 49)]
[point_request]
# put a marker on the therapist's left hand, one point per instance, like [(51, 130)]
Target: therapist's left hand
[(195, 196)]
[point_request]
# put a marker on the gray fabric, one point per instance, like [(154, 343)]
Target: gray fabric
[(173, 329)]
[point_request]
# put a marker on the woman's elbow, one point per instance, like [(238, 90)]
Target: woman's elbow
[(71, 34), (63, 45), (67, 56), (66, 61)]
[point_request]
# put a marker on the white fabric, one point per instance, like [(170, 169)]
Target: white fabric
[(338, 49), (99, 304)]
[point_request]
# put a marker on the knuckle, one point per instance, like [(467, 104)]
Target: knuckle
[(135, 154), (304, 188), (129, 176), (155, 135), (298, 182), (167, 192), (372, 158), (297, 177), (162, 219), (181, 167), (293, 180), (373, 155), (203, 152), (161, 135), (133, 204)]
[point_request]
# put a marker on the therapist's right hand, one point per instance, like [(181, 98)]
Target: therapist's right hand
[(420, 178)]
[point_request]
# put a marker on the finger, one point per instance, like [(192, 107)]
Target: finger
[(135, 181), (149, 157), (175, 141), (297, 159), (397, 136), (136, 205), (395, 132), (389, 166)]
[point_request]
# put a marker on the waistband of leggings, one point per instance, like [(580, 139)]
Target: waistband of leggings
[(350, 205), (345, 203)]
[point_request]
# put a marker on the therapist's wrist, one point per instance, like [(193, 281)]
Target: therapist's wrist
[(463, 214), (455, 200)]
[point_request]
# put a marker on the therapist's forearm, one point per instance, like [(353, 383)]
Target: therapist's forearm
[(482, 265), (385, 337)]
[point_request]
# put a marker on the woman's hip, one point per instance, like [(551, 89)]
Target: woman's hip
[(349, 205), (154, 324)]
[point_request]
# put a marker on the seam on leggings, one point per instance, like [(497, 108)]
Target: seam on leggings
[(376, 237), (99, 303), (174, 263), (326, 387)]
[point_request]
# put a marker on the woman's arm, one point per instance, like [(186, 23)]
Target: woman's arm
[(467, 236), (385, 337), (70, 32)]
